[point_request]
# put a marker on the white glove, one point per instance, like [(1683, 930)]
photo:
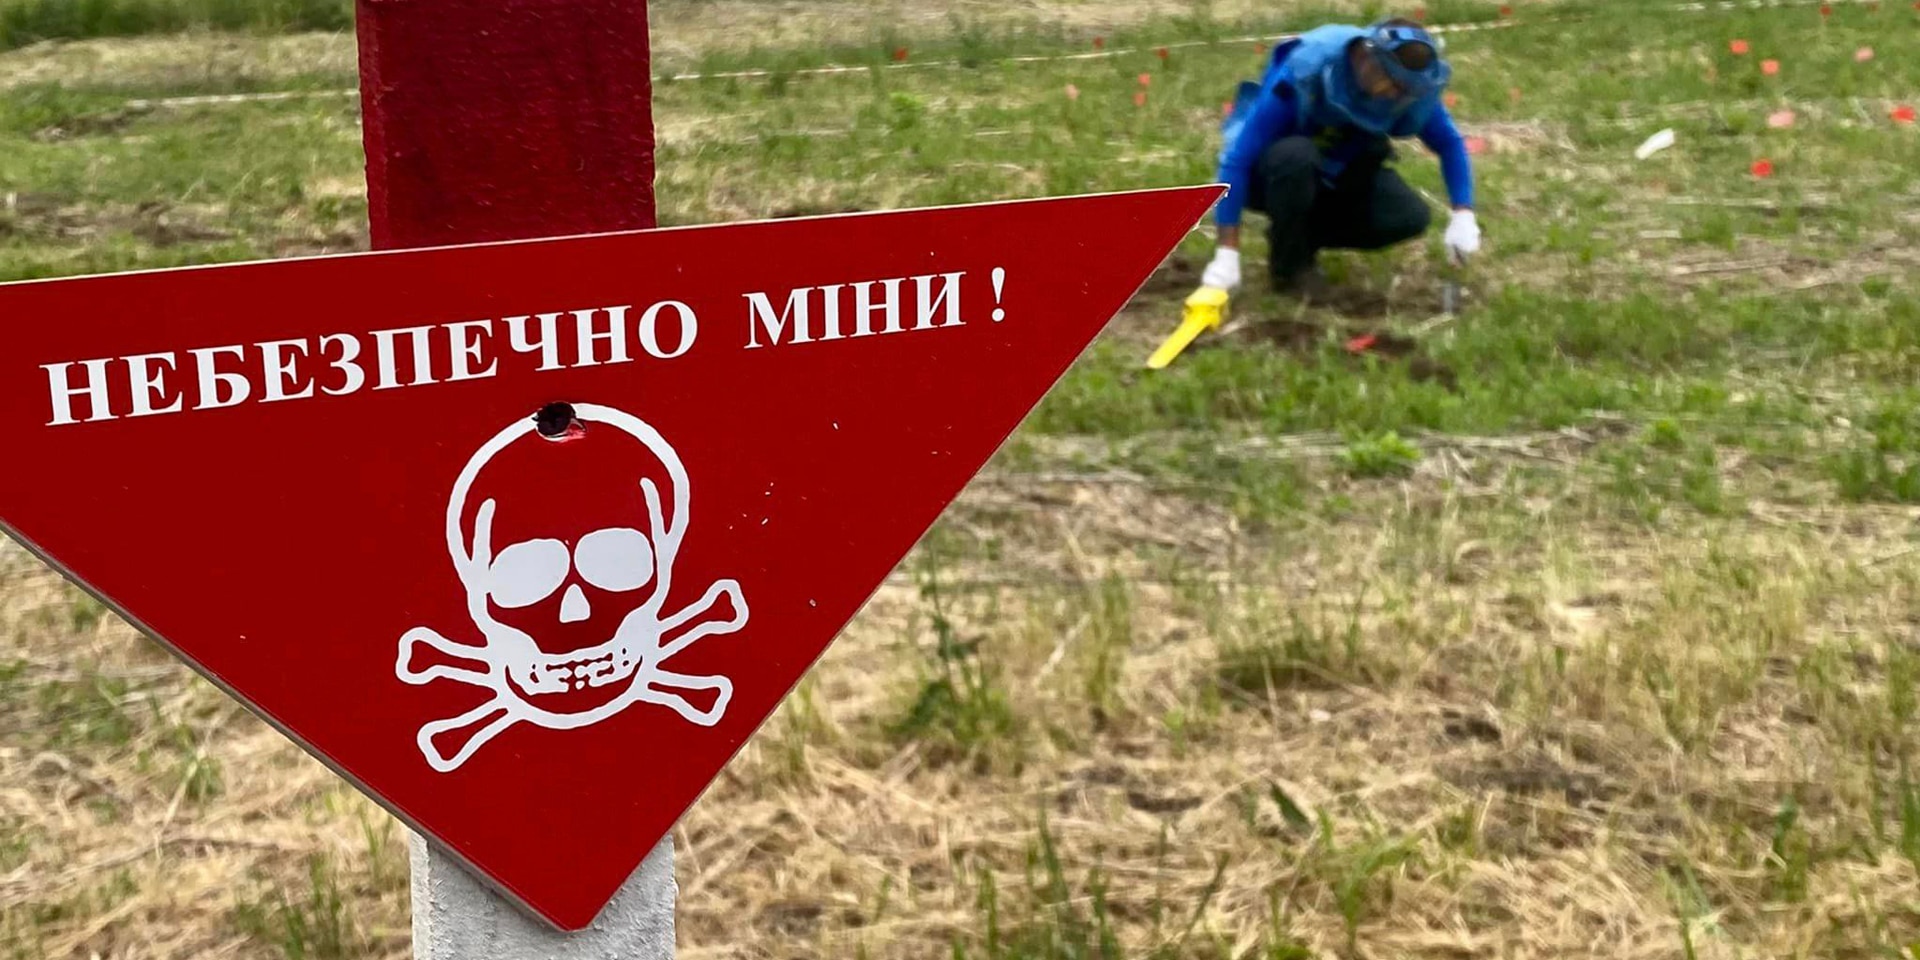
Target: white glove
[(1463, 235), (1224, 272)]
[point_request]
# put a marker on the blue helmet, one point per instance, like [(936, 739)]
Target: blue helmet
[(1409, 54)]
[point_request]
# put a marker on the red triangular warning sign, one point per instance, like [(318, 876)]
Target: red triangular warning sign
[(527, 538)]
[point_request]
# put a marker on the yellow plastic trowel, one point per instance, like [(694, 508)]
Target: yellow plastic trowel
[(1204, 310)]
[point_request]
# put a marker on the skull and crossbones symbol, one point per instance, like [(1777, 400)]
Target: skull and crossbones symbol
[(554, 583)]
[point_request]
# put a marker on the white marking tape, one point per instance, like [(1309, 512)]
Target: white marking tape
[(222, 98), (829, 70), (838, 69), (1064, 57)]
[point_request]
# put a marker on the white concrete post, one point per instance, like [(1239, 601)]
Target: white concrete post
[(456, 917)]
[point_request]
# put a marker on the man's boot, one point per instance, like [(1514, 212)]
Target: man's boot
[(1309, 286)]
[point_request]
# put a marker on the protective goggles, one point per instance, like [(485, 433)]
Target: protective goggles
[(1410, 58)]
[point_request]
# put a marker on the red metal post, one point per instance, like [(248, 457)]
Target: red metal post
[(505, 119)]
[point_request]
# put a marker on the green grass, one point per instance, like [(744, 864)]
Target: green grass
[(27, 21), (1569, 325)]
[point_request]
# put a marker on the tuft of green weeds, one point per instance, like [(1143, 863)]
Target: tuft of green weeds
[(1109, 638), (1360, 873), (1885, 467), (1262, 651), (1691, 906), (315, 924), (1668, 467), (90, 709), (1056, 918), (1790, 855), (961, 707), (16, 842), (1381, 455), (1281, 943), (801, 723)]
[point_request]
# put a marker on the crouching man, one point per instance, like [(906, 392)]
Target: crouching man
[(1311, 143)]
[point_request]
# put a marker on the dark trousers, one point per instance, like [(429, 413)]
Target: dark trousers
[(1367, 207)]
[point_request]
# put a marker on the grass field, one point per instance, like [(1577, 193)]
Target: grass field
[(1582, 623)]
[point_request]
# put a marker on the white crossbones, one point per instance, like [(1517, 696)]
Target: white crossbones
[(512, 665)]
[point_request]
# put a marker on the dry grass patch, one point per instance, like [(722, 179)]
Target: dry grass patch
[(1087, 711), (150, 816), (184, 60)]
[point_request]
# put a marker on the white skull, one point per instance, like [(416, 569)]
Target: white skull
[(541, 685)]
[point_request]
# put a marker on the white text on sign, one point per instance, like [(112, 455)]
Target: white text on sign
[(339, 364), (869, 307)]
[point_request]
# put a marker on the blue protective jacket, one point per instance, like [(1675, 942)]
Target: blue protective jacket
[(1309, 90)]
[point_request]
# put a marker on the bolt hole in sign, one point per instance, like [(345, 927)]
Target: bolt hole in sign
[(556, 421), (653, 475)]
